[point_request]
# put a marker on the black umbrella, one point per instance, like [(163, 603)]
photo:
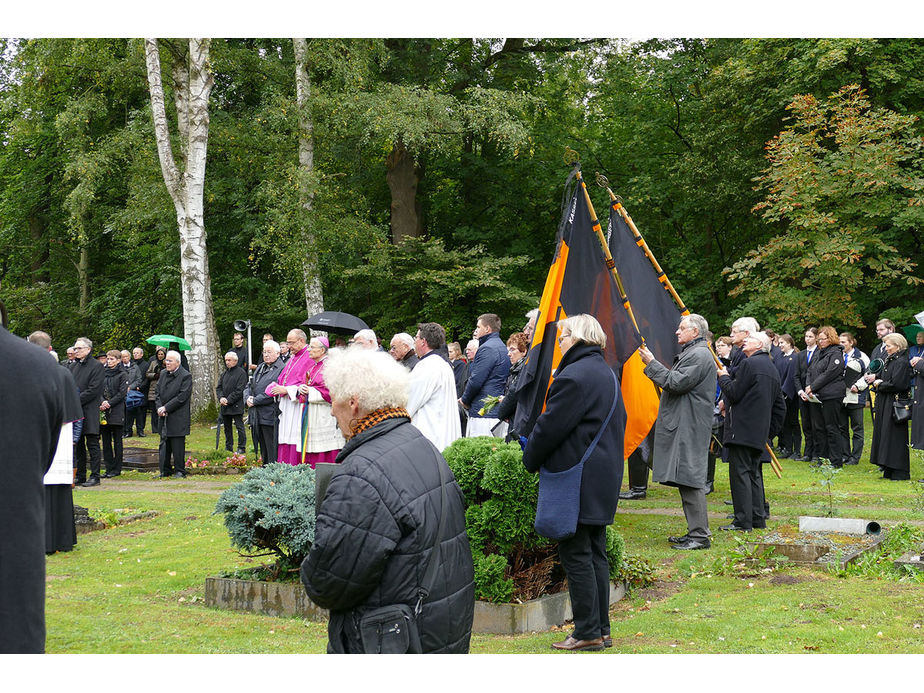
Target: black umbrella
[(335, 321)]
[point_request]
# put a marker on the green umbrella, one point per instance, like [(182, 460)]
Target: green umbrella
[(911, 332), (165, 340)]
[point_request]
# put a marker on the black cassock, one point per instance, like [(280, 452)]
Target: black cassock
[(35, 403)]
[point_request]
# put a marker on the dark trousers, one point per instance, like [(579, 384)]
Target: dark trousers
[(266, 441), (747, 486), (136, 416), (819, 434), (805, 414), (853, 444), (87, 445), (638, 471), (835, 430), (790, 437), (583, 557), (238, 420), (112, 447), (155, 419), (172, 455)]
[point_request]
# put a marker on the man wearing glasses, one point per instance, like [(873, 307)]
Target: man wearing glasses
[(88, 375)]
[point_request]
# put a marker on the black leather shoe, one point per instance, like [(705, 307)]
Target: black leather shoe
[(850, 462), (573, 645), (802, 458), (142, 434), (728, 502), (633, 494), (161, 476), (710, 487), (93, 481), (179, 475), (678, 540), (784, 454), (734, 528), (241, 451), (607, 640), (692, 545)]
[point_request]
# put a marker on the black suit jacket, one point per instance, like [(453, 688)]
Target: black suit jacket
[(755, 405), (174, 392), (88, 375)]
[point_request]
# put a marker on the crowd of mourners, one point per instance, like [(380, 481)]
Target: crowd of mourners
[(390, 531)]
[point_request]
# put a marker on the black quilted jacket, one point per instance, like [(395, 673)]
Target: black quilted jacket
[(375, 530)]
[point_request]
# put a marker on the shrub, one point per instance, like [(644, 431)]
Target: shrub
[(511, 560), (272, 509)]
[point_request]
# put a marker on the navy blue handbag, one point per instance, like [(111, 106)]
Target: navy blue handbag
[(560, 492)]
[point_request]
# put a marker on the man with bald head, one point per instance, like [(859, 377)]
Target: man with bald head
[(291, 402), (230, 392)]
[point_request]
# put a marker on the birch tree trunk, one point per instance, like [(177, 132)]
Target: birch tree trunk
[(314, 298), (185, 182)]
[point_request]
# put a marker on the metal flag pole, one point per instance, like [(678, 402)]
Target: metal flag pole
[(662, 277)]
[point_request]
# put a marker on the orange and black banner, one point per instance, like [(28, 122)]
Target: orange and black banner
[(657, 316), (578, 282)]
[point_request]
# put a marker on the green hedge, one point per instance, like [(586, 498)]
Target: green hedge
[(500, 497)]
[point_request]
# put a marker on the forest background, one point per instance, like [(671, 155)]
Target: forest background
[(421, 179)]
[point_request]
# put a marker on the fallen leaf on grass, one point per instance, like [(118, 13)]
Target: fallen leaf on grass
[(639, 634), (171, 573), (810, 647)]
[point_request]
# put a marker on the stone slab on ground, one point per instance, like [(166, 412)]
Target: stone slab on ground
[(140, 459), (912, 559)]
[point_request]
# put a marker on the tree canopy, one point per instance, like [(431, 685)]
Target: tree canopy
[(778, 178)]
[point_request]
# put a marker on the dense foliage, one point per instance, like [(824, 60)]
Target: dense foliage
[(511, 560), (437, 174), (272, 509)]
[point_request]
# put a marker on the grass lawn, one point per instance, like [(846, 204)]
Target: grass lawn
[(139, 587)]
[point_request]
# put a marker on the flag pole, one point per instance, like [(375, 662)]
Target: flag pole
[(610, 263), (662, 277)]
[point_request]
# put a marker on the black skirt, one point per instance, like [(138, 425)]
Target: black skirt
[(60, 530)]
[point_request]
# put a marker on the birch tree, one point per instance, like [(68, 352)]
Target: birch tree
[(314, 298), (184, 177)]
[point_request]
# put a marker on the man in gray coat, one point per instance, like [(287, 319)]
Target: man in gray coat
[(684, 426)]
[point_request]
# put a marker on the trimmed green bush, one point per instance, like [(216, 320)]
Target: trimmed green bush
[(272, 509), (510, 559)]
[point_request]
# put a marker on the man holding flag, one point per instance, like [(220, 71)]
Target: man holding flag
[(681, 442)]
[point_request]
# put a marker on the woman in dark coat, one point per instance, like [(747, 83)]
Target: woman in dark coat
[(112, 409), (790, 437), (155, 366), (917, 411), (507, 409), (825, 380), (379, 521), (578, 402), (889, 449)]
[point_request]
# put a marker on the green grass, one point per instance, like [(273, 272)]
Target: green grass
[(139, 588)]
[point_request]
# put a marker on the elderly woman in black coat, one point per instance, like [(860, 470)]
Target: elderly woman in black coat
[(579, 400), (380, 518), (889, 449)]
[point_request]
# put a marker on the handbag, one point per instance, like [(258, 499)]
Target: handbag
[(560, 492), (901, 410), (392, 629)]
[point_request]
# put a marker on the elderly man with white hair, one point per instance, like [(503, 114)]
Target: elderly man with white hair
[(755, 412), (402, 350), (174, 392), (365, 339), (230, 393), (681, 441), (264, 412)]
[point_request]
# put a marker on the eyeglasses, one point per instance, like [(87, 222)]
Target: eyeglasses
[(564, 337)]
